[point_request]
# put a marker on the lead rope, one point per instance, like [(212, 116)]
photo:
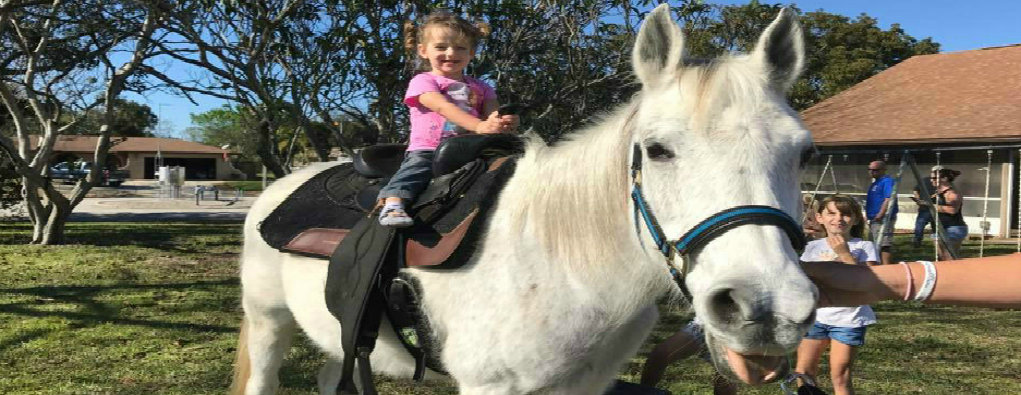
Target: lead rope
[(792, 378)]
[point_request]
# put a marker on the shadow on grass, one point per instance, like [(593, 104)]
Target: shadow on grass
[(98, 312), (185, 237)]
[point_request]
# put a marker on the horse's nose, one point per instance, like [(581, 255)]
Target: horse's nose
[(748, 307), (736, 304)]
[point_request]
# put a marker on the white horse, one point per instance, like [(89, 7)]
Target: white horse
[(563, 289)]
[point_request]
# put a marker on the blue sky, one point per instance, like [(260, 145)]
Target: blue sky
[(956, 25)]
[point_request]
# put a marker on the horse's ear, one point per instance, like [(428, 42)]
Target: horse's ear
[(781, 50), (659, 46)]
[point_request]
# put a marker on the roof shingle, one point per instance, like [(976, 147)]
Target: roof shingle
[(965, 96), (131, 144)]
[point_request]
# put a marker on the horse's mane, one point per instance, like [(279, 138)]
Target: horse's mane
[(582, 219), (576, 218)]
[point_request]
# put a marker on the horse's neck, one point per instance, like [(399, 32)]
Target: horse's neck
[(571, 204)]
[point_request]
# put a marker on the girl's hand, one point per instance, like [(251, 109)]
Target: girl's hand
[(837, 243), (839, 246), (491, 125), (510, 123)]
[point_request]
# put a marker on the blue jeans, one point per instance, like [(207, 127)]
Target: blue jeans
[(412, 178), (849, 336), (957, 233), (923, 219)]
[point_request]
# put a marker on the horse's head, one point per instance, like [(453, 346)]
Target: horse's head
[(713, 135)]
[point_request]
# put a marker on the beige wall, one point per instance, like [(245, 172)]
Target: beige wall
[(136, 163)]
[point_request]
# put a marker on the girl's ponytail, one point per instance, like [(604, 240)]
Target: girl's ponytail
[(410, 37), (483, 28)]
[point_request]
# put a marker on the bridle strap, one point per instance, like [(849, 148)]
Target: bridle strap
[(728, 219)]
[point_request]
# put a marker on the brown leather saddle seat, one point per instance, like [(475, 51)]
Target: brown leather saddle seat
[(469, 172)]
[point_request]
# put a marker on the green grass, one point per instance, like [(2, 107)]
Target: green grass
[(247, 185), (143, 308)]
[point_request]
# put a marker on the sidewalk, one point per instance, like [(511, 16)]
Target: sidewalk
[(155, 209)]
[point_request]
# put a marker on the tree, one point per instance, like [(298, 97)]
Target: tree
[(845, 51), (841, 51), (10, 183), (224, 126), (317, 49), (130, 119), (234, 44), (59, 60)]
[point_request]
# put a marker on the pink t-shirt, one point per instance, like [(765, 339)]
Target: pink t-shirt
[(428, 128)]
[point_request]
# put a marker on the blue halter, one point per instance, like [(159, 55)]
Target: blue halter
[(708, 229)]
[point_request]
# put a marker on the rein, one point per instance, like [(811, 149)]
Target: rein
[(707, 230)]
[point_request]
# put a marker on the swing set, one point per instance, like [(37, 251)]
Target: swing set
[(908, 162)]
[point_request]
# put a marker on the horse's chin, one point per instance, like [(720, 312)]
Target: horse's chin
[(749, 368)]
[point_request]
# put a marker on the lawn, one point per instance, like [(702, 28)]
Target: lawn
[(142, 308)]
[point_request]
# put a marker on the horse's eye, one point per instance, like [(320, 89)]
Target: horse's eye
[(807, 155), (658, 151)]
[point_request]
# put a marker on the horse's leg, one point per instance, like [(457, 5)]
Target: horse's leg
[(270, 324), (329, 376), (270, 330)]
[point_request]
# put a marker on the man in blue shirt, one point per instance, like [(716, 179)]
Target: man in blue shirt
[(876, 203)]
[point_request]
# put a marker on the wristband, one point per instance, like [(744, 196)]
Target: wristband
[(911, 282), (928, 284)]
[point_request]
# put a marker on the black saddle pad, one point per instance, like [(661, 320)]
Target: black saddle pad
[(330, 200), (327, 200)]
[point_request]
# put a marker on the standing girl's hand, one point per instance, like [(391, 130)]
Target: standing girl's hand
[(838, 244)]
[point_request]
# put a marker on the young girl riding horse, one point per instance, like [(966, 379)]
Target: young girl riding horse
[(444, 102)]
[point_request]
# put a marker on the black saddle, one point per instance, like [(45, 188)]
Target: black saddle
[(321, 212)]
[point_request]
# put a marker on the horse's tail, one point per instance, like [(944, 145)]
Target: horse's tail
[(242, 365)]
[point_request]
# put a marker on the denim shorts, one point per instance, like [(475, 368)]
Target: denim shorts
[(957, 233), (848, 336)]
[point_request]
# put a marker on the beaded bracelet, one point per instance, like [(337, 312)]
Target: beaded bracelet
[(911, 282)]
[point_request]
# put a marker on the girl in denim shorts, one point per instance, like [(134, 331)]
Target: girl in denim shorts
[(840, 328)]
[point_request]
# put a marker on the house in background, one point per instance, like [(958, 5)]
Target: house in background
[(961, 110), (138, 155)]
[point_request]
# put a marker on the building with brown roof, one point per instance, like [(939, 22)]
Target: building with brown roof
[(139, 156), (960, 109)]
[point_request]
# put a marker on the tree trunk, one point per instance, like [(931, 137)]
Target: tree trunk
[(321, 147), (48, 213), (266, 150), (53, 229)]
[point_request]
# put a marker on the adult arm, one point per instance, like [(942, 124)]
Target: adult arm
[(983, 282), (917, 197), (882, 210), (953, 203)]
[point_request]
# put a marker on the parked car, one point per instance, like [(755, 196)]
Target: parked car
[(72, 172)]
